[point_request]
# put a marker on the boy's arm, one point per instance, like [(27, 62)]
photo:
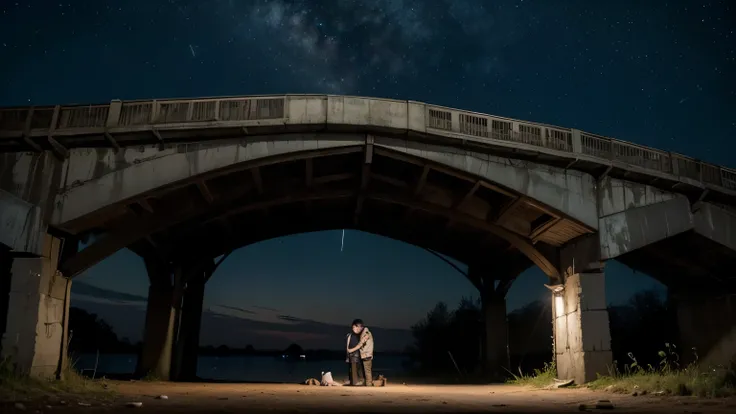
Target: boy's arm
[(363, 339)]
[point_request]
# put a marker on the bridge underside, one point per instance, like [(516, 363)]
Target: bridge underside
[(365, 188), (686, 262)]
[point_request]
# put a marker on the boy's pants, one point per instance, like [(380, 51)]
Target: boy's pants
[(366, 366)]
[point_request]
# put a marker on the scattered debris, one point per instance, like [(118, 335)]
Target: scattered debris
[(559, 383), (604, 405), (134, 404), (658, 393), (84, 404), (162, 397), (311, 381), (20, 406)]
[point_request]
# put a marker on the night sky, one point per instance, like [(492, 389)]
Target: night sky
[(657, 73)]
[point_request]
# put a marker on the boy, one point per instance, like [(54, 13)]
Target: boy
[(360, 352)]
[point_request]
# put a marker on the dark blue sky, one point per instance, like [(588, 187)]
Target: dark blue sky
[(660, 73)]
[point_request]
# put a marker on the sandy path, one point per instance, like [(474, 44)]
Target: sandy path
[(271, 398)]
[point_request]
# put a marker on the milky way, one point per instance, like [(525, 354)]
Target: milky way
[(341, 44)]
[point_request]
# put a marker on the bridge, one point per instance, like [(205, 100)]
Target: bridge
[(181, 182)]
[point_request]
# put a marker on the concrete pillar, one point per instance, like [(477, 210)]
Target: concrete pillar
[(582, 338), (158, 336), (6, 261), (493, 278), (496, 341), (707, 325), (35, 336), (189, 329)]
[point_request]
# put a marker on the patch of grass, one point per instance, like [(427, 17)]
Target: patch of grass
[(151, 377), (670, 378), (14, 387), (539, 378)]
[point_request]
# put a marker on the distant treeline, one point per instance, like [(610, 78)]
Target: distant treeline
[(90, 334), (641, 327)]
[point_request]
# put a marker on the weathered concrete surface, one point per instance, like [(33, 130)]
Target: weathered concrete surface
[(582, 338), (98, 178), (573, 193), (32, 177), (20, 224), (615, 196), (37, 313), (158, 336), (630, 223), (715, 223), (637, 227)]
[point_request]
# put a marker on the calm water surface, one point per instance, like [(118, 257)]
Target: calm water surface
[(247, 367)]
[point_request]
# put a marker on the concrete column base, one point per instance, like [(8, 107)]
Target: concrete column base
[(158, 336), (187, 348), (707, 326), (496, 352), (35, 336), (582, 338)]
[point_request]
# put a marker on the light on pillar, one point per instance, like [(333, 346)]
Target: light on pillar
[(559, 301)]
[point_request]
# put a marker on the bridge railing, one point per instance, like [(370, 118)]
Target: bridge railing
[(83, 119)]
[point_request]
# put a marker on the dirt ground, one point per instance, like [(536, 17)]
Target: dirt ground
[(394, 398)]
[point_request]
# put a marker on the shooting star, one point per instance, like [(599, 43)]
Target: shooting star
[(191, 49), (342, 241)]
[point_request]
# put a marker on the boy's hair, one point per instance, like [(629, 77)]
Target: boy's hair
[(357, 322)]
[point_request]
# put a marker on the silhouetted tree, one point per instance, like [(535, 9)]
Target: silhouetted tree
[(642, 327), (441, 331), (90, 333), (294, 350)]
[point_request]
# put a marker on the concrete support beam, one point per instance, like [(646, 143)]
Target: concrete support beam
[(35, 334), (158, 336), (582, 338), (186, 349), (191, 324), (707, 326), (638, 227), (496, 340), (493, 280)]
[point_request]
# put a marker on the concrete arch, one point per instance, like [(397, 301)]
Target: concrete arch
[(509, 263), (97, 180), (461, 208)]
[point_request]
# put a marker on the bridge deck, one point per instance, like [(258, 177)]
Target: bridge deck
[(134, 123)]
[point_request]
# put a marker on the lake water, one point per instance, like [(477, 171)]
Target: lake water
[(247, 367)]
